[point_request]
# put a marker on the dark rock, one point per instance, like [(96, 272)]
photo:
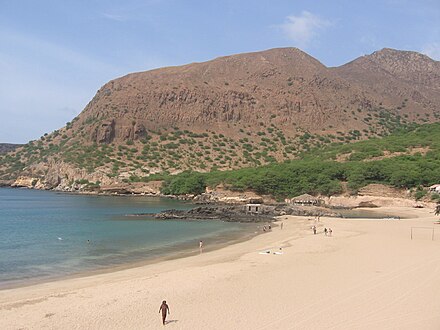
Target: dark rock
[(105, 132), (239, 213), (139, 131)]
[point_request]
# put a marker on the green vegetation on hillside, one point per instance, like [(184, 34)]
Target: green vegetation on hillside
[(406, 159), (174, 149)]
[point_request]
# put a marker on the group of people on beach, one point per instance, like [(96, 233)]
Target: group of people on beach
[(269, 227), (327, 232)]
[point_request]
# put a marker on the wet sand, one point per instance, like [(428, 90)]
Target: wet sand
[(368, 275)]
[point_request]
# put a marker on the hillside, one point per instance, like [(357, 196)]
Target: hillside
[(408, 159), (232, 112), (399, 75)]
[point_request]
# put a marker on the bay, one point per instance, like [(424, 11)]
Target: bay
[(45, 235)]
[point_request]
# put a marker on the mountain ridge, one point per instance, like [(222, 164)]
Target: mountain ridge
[(233, 111)]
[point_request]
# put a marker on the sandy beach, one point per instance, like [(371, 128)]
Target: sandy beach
[(368, 275)]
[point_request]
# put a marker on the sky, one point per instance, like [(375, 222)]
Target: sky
[(55, 54)]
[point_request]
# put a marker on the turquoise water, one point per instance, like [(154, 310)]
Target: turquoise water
[(46, 234)]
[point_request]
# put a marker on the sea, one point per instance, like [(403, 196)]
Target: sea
[(45, 235)]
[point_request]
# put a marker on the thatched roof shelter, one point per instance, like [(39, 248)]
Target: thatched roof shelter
[(306, 199)]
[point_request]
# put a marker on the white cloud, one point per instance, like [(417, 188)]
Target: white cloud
[(432, 50), (115, 17), (302, 29)]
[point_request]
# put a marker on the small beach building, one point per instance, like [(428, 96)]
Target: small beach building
[(435, 188), (254, 208), (306, 200)]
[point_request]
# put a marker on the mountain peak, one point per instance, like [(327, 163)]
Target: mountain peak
[(408, 66), (278, 57), (399, 55)]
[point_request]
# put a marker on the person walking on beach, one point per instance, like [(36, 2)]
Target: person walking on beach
[(314, 230), (325, 231), (201, 246), (164, 309)]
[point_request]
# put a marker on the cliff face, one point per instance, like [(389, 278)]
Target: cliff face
[(234, 111), (284, 87)]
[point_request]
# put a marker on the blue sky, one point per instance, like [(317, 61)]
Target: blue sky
[(55, 54)]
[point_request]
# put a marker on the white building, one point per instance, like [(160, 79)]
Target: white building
[(435, 188)]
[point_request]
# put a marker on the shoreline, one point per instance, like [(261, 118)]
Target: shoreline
[(178, 251), (183, 255), (368, 275)]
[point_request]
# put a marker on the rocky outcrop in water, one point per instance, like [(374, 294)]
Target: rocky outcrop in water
[(241, 213)]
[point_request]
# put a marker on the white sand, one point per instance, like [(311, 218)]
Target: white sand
[(369, 275)]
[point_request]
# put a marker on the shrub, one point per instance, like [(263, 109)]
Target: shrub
[(420, 194)]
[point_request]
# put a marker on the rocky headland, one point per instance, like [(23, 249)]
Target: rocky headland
[(241, 213)]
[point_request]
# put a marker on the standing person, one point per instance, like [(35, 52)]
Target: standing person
[(330, 231), (164, 309), (201, 246), (314, 230), (325, 231)]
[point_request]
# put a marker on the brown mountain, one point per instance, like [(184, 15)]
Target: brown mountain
[(393, 75), (233, 111), (285, 87)]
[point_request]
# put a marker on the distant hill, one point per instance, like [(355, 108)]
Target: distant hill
[(396, 76), (232, 112), (6, 147)]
